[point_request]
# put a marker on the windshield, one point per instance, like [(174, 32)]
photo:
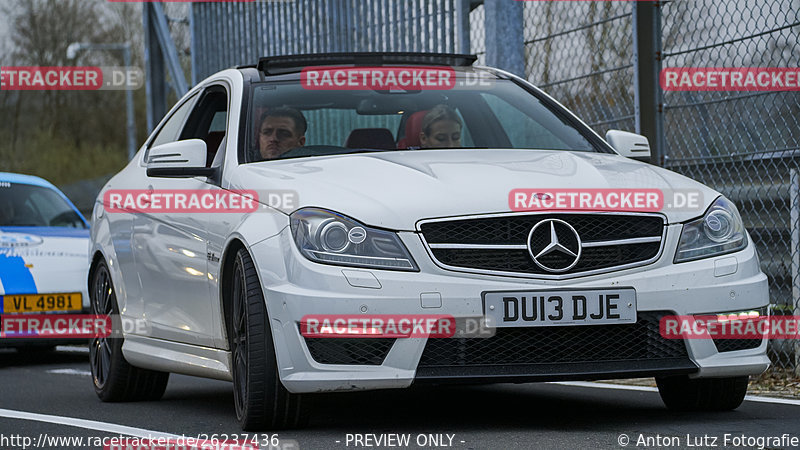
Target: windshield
[(25, 205), (298, 118)]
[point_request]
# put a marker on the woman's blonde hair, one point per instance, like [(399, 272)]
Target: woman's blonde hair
[(437, 113)]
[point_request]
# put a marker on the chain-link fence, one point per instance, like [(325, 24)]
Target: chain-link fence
[(581, 54), (744, 144), (477, 33)]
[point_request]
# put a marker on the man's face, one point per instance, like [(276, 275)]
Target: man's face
[(277, 136), (444, 133)]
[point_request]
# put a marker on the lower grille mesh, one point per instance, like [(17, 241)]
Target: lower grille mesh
[(567, 344), (362, 351), (731, 345)]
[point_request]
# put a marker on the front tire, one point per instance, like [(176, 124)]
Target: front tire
[(114, 379), (702, 394), (261, 400)]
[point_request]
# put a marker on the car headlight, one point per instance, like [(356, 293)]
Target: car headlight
[(331, 238), (719, 231)]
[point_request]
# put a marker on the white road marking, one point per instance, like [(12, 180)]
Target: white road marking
[(71, 372), (69, 348), (589, 384), (112, 428), (627, 387), (782, 401)]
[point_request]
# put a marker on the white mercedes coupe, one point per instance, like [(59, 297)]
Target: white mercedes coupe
[(286, 221)]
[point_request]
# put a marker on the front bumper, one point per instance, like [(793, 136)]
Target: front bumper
[(295, 287)]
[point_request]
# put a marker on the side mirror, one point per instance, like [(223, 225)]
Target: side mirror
[(629, 145), (180, 159)]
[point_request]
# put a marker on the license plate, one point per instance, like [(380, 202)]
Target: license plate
[(559, 307), (42, 302)]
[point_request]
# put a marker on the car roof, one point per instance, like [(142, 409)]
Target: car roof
[(25, 179)]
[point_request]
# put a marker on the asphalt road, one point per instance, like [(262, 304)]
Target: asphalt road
[(48, 397)]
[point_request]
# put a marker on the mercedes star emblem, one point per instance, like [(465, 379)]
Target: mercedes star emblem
[(554, 245)]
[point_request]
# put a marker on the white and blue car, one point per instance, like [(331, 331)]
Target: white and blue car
[(43, 253)]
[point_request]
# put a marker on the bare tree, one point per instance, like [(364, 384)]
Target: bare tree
[(41, 32), (80, 125)]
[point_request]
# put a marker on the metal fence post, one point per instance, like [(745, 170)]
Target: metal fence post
[(131, 118), (504, 36), (159, 54), (155, 82), (462, 26), (193, 46), (647, 55), (794, 224)]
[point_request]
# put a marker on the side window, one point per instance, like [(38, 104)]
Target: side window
[(169, 132), (208, 121)]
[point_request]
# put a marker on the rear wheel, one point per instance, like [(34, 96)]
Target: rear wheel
[(114, 379), (261, 400), (702, 394)]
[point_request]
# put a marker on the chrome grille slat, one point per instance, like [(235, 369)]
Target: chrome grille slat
[(525, 247), (481, 246), (642, 240)]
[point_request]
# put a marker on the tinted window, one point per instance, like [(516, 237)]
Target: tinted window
[(25, 205), (527, 129), (208, 121), (169, 132), (498, 114)]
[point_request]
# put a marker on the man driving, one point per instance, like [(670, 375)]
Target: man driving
[(281, 130)]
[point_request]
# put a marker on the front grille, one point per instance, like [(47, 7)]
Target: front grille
[(361, 351), (500, 244), (638, 342)]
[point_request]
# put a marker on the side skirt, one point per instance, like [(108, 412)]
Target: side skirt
[(175, 357)]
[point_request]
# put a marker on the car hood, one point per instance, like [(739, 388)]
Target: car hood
[(396, 189), (43, 259)]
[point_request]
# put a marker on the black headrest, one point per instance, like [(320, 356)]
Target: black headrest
[(379, 138)]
